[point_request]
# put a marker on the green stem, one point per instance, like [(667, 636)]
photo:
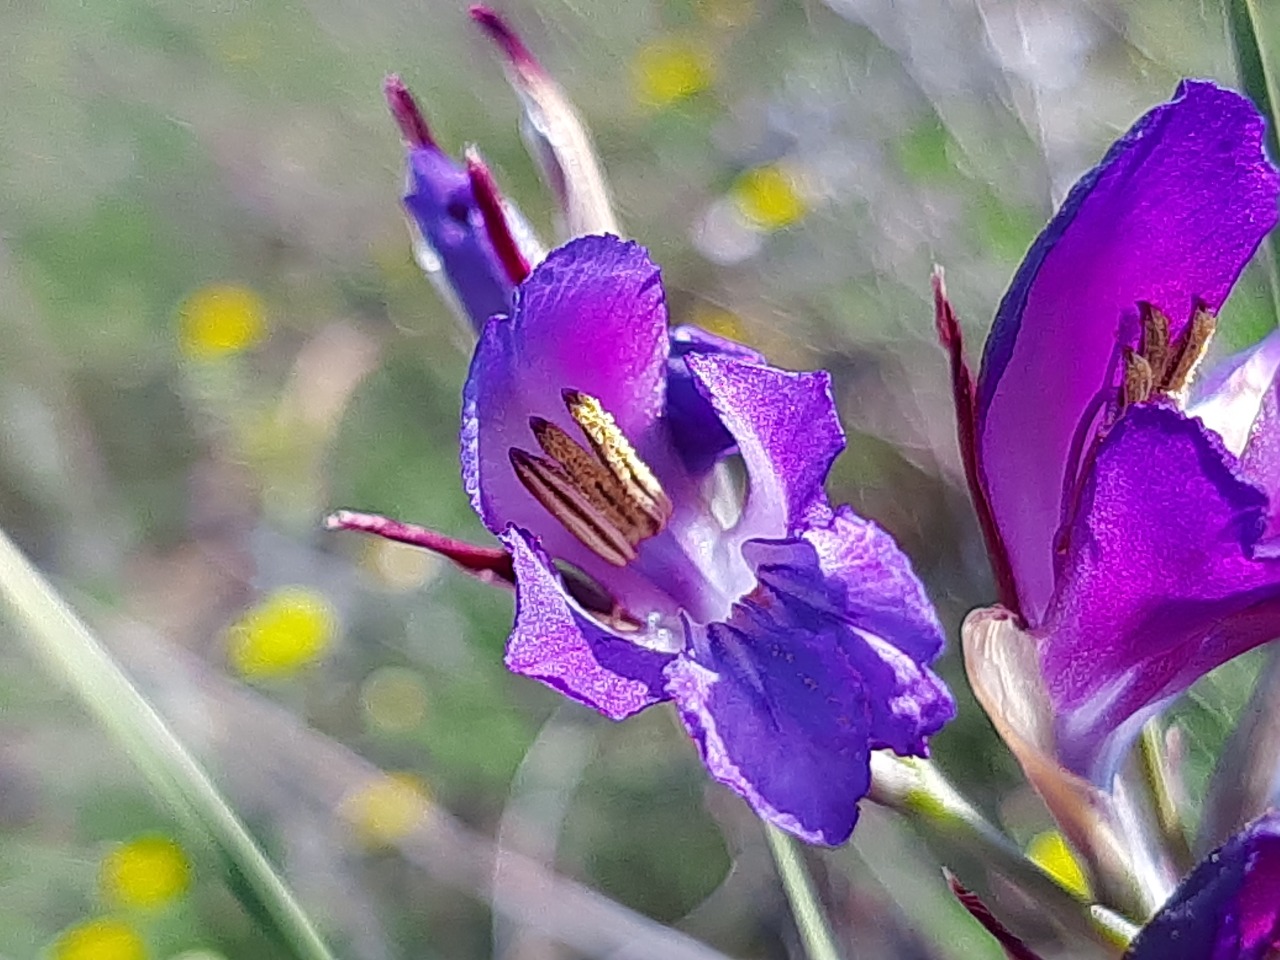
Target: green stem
[(74, 654), (917, 790), (1163, 788), (1251, 65), (815, 931)]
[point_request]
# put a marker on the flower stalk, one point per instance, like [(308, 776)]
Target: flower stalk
[(806, 907)]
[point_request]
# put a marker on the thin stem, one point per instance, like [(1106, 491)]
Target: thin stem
[(75, 655), (917, 790), (1162, 783), (811, 919), (1258, 82)]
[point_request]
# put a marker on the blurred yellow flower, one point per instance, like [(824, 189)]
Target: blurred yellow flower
[(386, 809), (769, 197), (99, 940), (394, 699), (291, 628), (148, 871), (668, 70), (721, 322), (219, 320), (1050, 852)]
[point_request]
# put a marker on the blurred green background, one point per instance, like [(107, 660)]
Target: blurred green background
[(214, 333)]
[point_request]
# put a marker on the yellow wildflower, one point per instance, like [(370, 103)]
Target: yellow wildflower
[(148, 871), (219, 320), (668, 70), (99, 940), (288, 630), (769, 197), (386, 809)]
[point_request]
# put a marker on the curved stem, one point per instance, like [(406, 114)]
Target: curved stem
[(811, 919)]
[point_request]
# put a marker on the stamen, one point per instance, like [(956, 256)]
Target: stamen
[(1162, 366), (1191, 348), (615, 451), (1139, 379), (606, 496), (561, 495), (1155, 340)]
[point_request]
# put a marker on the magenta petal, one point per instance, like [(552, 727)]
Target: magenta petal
[(555, 641), (1228, 908), (1160, 583), (1173, 212), (590, 317), (787, 431)]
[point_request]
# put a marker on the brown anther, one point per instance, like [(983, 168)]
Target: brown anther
[(563, 497), (615, 452), (1161, 365), (606, 496), (1139, 379), (1155, 339), (1190, 350)]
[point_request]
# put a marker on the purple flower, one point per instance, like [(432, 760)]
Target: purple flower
[(793, 638), (1131, 529), (1228, 908)]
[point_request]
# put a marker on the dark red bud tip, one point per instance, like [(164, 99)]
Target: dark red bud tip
[(496, 227), (500, 32), (405, 111)]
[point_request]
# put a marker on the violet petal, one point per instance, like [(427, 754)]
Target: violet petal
[(1228, 907), (787, 431), (696, 431), (1173, 212), (555, 641)]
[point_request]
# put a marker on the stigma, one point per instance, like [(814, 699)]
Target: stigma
[(601, 492), (1161, 366)]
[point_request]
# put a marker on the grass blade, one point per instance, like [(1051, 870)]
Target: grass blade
[(73, 654), (1245, 29)]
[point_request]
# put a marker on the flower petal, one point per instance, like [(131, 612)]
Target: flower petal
[(1230, 399), (1228, 908), (851, 573), (787, 431), (1160, 583), (699, 436), (1173, 212), (555, 641), (787, 698), (780, 718), (590, 317)]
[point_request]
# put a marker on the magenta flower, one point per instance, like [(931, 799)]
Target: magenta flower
[(792, 638), (1132, 534)]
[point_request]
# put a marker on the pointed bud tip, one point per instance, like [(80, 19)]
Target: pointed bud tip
[(492, 23), (489, 199), (406, 113)]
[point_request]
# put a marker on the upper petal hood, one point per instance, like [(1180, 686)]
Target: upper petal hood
[(1172, 213), (591, 317)]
